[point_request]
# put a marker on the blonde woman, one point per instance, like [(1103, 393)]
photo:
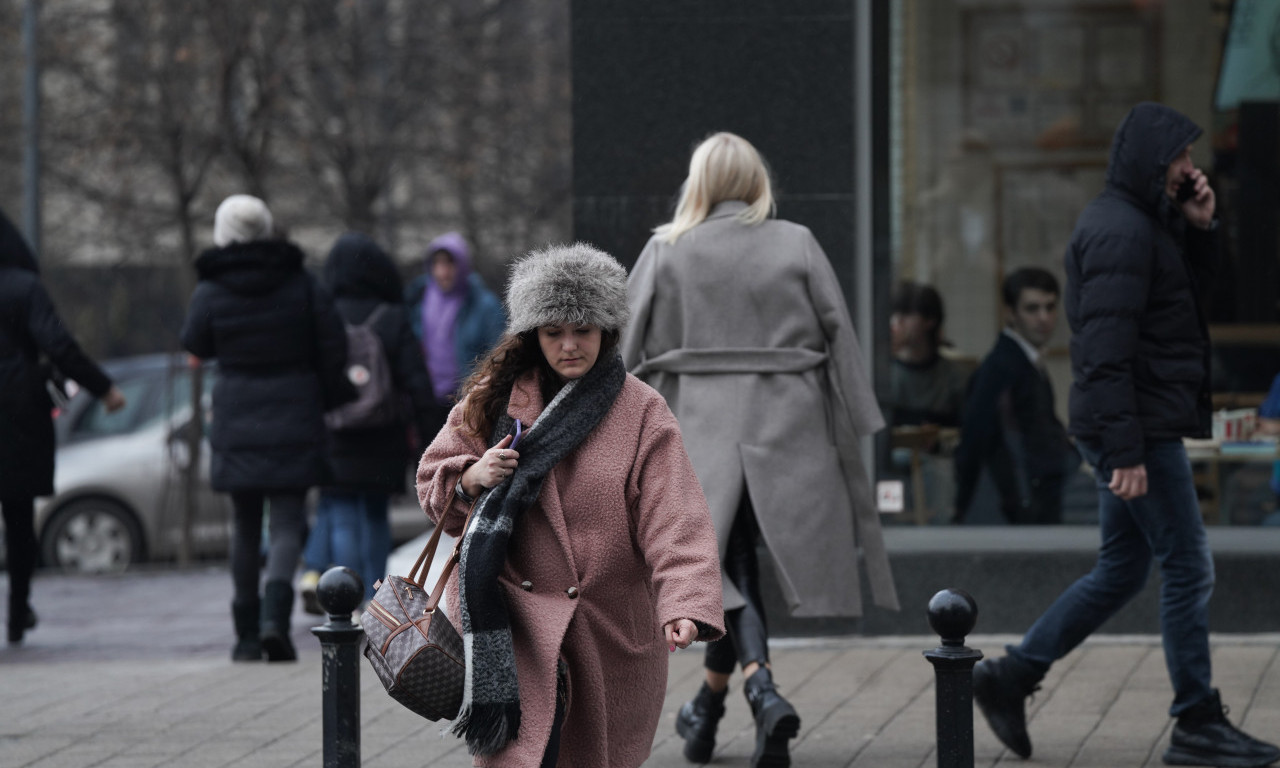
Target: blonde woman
[(739, 322)]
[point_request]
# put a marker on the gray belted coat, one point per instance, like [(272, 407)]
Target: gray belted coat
[(745, 332)]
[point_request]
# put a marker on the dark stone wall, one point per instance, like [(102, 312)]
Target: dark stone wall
[(652, 79)]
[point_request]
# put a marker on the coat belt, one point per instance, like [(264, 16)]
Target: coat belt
[(733, 360)]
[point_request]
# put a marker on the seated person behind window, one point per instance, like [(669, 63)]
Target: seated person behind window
[(1009, 423), (925, 387), (1269, 424)]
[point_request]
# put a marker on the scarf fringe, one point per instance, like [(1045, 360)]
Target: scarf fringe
[(488, 727)]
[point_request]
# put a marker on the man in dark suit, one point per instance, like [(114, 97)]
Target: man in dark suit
[(1010, 426)]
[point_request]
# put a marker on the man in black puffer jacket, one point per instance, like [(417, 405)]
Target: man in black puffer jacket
[(1137, 268)]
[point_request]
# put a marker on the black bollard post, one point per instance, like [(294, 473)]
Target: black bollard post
[(952, 614), (340, 592)]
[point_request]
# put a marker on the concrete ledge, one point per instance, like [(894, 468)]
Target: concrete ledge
[(1014, 574)]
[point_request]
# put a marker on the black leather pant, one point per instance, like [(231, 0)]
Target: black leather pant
[(747, 639)]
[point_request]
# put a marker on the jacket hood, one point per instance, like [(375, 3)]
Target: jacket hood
[(1149, 138), (456, 246), (14, 251), (251, 268), (357, 267)]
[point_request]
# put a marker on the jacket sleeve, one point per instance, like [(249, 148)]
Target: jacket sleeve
[(440, 469), (53, 339), (1115, 277), (412, 378), (673, 527), (331, 348), (979, 431), (853, 387), (1202, 253), (495, 321), (197, 330), (639, 302)]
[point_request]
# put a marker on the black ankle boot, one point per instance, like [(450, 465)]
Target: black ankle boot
[(1000, 688), (697, 723), (277, 610), (776, 721), (1204, 736), (244, 614), (20, 622)]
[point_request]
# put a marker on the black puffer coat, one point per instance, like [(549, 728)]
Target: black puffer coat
[(29, 325), (1136, 277), (281, 353), (361, 278)]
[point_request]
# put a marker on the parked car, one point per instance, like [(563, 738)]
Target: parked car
[(119, 483)]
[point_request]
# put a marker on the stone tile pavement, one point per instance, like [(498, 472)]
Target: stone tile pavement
[(133, 671)]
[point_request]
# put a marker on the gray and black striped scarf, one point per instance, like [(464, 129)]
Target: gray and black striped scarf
[(490, 714)]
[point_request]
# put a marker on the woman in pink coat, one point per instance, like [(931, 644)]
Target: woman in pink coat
[(590, 554)]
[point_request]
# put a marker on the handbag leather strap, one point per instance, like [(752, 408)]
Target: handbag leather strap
[(418, 573)]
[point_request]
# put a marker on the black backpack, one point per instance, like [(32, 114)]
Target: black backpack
[(377, 404)]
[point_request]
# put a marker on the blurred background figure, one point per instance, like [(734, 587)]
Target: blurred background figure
[(374, 439), (282, 352), (455, 316), (1010, 427), (926, 387), (30, 328)]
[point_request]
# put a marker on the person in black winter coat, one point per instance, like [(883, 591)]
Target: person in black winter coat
[(1010, 427), (370, 461), (1137, 273), (281, 353), (29, 327)]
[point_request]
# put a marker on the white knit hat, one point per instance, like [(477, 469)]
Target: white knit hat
[(241, 219), (567, 284)]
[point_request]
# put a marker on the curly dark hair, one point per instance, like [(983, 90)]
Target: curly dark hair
[(488, 388)]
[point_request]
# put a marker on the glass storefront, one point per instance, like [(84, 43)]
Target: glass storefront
[(1002, 118)]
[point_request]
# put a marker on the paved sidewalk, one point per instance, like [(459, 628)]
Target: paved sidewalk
[(133, 671)]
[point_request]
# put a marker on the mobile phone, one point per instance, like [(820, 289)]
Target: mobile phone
[(1187, 189), (519, 430)]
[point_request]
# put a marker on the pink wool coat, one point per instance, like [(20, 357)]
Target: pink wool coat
[(623, 520)]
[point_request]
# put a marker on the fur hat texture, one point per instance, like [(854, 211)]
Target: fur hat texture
[(241, 219), (565, 284)]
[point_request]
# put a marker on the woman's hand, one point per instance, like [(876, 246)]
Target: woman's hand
[(494, 466), (680, 633)]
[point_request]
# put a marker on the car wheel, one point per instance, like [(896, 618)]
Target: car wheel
[(91, 536)]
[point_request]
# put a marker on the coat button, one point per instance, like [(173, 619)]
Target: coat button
[(527, 586), (572, 592)]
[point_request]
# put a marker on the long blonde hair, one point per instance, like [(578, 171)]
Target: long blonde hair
[(724, 167)]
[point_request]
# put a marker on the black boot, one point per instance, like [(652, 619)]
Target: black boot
[(1204, 736), (1000, 688), (697, 723), (277, 609), (244, 614), (776, 721), (20, 621)]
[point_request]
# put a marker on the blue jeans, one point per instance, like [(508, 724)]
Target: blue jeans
[(351, 530), (1165, 524)]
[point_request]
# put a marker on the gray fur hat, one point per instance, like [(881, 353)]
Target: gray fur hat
[(567, 284)]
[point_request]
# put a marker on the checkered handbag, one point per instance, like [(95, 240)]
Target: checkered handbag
[(414, 649)]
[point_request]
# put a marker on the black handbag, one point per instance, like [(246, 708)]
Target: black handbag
[(414, 649)]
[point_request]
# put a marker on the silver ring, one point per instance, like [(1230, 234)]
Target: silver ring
[(502, 456)]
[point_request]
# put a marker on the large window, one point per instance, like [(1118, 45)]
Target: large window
[(1003, 114)]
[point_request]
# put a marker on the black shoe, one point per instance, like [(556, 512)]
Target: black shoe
[(697, 723), (20, 624), (245, 615), (1000, 689), (776, 721), (1204, 736), (277, 611)]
